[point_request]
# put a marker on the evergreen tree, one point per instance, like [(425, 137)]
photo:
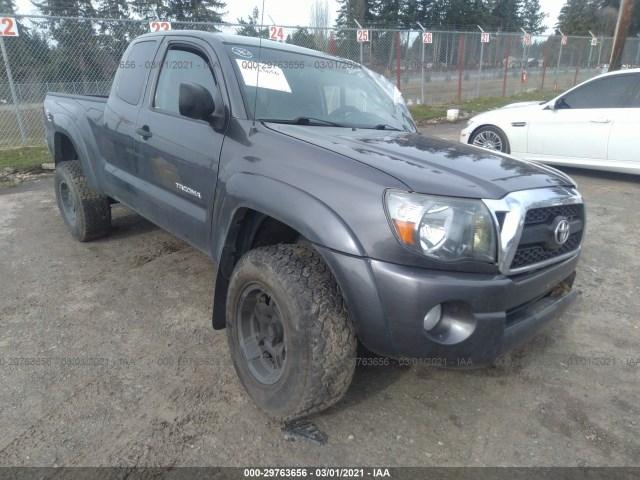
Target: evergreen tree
[(461, 13), (360, 10), (181, 10), (577, 17), (250, 26), (532, 17), (505, 15), (301, 37)]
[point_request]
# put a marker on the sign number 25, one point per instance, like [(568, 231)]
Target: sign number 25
[(159, 26), (8, 27)]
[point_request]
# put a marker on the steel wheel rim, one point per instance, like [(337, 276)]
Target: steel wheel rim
[(489, 140), (66, 199), (261, 334)]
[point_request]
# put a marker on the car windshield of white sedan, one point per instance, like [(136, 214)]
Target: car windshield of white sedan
[(308, 90)]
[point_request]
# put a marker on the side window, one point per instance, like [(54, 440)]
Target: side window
[(634, 100), (135, 71), (609, 92), (181, 65)]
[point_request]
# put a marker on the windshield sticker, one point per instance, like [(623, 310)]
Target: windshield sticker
[(271, 77), (242, 52)]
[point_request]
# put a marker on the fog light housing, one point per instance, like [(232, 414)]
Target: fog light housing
[(432, 318)]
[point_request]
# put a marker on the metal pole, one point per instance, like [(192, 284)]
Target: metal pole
[(422, 74), (14, 95), (358, 23), (638, 54), (481, 60), (506, 66), (422, 66), (600, 52), (460, 67), (622, 29), (578, 61), (524, 58), (398, 54), (559, 59)]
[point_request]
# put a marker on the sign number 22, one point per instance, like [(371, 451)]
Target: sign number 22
[(8, 27), (159, 26)]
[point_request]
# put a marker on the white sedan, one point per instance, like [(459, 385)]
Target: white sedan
[(594, 125)]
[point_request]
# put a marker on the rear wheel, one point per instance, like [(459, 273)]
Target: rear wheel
[(491, 138), (291, 339), (86, 213)]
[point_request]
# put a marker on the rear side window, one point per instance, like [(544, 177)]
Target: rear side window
[(634, 101), (135, 71), (610, 92), (181, 65)]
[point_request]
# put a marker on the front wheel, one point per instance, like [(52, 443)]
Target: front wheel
[(491, 138), (291, 339)]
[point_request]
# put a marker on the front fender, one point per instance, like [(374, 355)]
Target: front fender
[(311, 217), (306, 214)]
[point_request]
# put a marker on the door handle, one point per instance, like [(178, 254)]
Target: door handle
[(600, 120), (144, 132)]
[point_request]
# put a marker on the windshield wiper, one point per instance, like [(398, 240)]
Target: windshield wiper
[(386, 126), (310, 120), (303, 121)]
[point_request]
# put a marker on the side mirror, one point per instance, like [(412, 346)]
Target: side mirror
[(195, 101), (559, 104)]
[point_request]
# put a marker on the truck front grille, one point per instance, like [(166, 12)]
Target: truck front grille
[(547, 214), (530, 253)]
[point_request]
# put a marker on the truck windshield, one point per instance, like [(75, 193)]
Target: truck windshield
[(308, 90)]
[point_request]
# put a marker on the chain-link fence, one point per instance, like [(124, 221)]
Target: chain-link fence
[(81, 55)]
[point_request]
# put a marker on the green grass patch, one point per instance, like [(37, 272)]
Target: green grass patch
[(476, 105), (24, 158)]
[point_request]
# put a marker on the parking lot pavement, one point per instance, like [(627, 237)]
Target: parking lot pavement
[(107, 357)]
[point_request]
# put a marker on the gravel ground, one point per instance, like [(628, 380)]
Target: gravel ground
[(107, 357)]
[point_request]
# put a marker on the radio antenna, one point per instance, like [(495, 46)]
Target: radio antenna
[(255, 100)]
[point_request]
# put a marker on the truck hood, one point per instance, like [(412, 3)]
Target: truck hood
[(430, 165)]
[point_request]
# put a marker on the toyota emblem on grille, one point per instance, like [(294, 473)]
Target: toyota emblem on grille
[(562, 232)]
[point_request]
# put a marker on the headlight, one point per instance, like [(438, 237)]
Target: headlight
[(442, 228)]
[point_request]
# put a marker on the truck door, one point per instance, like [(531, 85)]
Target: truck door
[(177, 157), (120, 114)]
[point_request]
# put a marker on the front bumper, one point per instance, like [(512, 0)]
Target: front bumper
[(465, 134), (484, 315)]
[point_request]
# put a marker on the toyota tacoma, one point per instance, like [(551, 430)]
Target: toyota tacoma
[(330, 218)]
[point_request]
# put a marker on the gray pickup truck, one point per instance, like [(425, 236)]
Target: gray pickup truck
[(331, 219)]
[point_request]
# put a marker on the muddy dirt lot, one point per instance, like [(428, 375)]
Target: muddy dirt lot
[(107, 357)]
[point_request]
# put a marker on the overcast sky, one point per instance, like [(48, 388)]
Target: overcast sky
[(285, 12)]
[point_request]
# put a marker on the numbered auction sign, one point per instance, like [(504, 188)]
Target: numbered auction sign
[(363, 35), (485, 37), (527, 39), (427, 37), (159, 26), (594, 41), (276, 33), (8, 27), (565, 40)]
